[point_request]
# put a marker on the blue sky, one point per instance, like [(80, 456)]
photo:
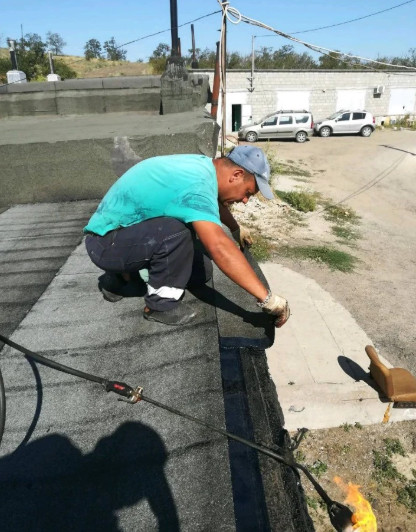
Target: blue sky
[(388, 34)]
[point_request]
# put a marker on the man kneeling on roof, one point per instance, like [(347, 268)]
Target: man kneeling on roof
[(155, 218)]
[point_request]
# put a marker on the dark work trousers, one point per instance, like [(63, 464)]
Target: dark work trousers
[(165, 246)]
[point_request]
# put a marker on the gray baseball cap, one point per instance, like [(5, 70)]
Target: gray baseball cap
[(254, 161)]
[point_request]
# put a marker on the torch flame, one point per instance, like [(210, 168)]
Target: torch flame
[(363, 517)]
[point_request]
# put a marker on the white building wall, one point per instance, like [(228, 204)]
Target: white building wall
[(325, 91)]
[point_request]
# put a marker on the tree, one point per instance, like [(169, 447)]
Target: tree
[(32, 42), (332, 61), (31, 55), (162, 50), (114, 52), (206, 58), (92, 49), (55, 42), (264, 58), (63, 70), (158, 58), (34, 62)]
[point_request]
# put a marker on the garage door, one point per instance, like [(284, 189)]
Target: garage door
[(350, 99), (402, 101), (292, 100)]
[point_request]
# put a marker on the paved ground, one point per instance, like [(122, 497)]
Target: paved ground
[(374, 177), (318, 362), (321, 350)]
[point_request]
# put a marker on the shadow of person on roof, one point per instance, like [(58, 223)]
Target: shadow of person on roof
[(49, 485)]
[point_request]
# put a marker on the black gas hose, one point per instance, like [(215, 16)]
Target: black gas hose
[(339, 514)]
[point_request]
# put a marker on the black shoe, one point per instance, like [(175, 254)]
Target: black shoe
[(179, 315), (110, 285)]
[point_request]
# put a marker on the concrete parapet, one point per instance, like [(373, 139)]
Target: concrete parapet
[(131, 82), (176, 90), (79, 157), (106, 95)]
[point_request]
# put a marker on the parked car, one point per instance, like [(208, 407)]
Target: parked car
[(279, 125), (344, 121)]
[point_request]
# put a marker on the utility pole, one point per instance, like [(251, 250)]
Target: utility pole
[(12, 51), (174, 28), (14, 75), (224, 83), (216, 84), (176, 95), (251, 79), (194, 63), (51, 62)]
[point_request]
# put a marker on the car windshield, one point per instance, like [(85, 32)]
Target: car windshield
[(334, 115), (264, 118)]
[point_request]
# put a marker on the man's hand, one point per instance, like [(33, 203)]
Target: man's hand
[(242, 236), (277, 306)]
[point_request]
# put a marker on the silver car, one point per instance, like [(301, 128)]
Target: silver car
[(279, 125), (359, 121)]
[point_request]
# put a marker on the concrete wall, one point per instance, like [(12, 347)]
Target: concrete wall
[(140, 94), (320, 91), (72, 158)]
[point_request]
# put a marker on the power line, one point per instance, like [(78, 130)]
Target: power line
[(136, 40), (353, 19), (235, 17), (180, 26), (345, 21)]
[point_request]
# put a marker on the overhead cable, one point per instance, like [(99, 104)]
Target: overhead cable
[(136, 40), (235, 17), (353, 19)]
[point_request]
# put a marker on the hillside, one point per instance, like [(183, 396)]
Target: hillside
[(99, 68)]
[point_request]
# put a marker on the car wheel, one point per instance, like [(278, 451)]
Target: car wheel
[(251, 136), (301, 136), (366, 131), (325, 131)]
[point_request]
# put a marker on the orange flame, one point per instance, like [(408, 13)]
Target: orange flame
[(363, 518)]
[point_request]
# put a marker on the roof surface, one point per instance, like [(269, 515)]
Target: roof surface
[(75, 458)]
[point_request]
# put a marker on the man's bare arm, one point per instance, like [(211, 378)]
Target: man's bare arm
[(227, 218), (241, 234), (229, 258)]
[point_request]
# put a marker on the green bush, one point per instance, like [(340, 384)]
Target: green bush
[(301, 201), (335, 259), (407, 496)]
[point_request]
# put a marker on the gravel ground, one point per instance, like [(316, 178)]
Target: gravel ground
[(375, 177)]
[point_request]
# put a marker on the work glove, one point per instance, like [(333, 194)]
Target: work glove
[(276, 306), (242, 236)]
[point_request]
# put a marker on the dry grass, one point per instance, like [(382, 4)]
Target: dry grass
[(101, 68), (350, 452)]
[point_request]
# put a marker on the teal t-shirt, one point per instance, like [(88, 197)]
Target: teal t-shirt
[(180, 186)]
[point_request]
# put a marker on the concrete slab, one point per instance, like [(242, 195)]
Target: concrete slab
[(318, 362)]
